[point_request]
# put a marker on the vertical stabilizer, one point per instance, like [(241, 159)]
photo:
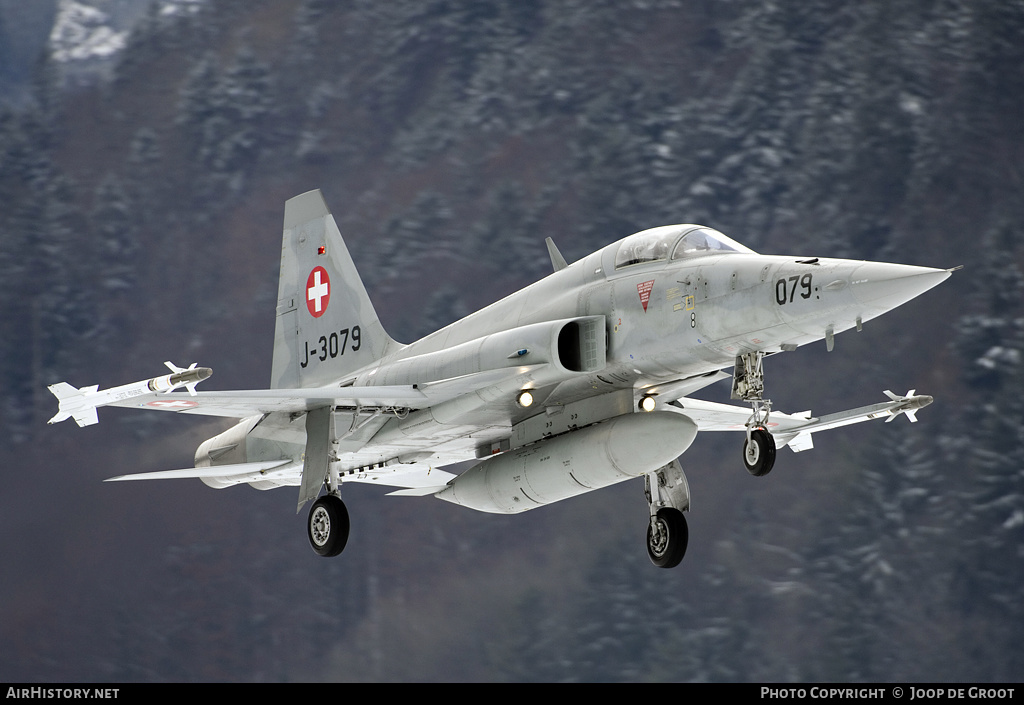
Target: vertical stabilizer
[(326, 325)]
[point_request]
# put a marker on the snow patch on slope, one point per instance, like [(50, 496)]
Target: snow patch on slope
[(88, 36), (82, 32), (180, 7)]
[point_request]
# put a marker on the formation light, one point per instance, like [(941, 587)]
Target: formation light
[(647, 403), (524, 398)]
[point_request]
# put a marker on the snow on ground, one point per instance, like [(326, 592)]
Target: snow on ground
[(81, 32)]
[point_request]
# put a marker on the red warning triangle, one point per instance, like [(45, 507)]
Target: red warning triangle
[(644, 289)]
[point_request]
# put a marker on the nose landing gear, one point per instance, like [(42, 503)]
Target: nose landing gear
[(748, 385), (759, 452)]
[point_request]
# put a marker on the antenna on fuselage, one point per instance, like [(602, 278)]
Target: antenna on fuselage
[(558, 262)]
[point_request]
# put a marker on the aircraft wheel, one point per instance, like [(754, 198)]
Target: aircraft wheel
[(667, 536), (759, 452), (328, 526)]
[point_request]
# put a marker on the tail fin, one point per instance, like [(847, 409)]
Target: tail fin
[(326, 324)]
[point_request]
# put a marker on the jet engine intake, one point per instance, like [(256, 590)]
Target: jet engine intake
[(572, 345)]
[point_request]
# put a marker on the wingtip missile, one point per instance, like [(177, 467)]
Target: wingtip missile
[(81, 404), (909, 404), (182, 377)]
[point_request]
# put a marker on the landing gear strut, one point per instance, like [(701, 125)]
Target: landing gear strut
[(668, 495), (748, 385), (328, 526)]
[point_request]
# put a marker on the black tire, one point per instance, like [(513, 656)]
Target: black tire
[(759, 453), (667, 538), (327, 526)]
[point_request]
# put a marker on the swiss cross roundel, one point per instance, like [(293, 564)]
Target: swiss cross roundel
[(318, 292)]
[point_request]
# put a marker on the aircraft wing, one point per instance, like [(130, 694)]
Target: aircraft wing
[(242, 403), (249, 402), (795, 430)]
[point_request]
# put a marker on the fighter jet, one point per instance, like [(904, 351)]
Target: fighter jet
[(576, 382)]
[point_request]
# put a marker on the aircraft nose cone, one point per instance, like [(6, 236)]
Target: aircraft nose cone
[(885, 286)]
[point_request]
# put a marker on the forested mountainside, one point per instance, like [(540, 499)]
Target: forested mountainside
[(140, 219)]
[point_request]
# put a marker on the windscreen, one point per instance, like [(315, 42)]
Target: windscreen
[(705, 241), (681, 240)]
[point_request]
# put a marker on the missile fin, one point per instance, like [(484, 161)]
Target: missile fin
[(86, 417), (73, 404)]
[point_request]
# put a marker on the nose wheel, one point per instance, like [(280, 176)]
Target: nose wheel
[(759, 452), (748, 385)]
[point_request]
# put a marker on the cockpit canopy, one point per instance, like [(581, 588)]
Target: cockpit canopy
[(679, 240)]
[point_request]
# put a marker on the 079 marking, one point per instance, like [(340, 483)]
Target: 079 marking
[(806, 284), (334, 345)]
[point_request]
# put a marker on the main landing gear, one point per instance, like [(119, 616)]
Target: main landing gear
[(328, 525), (667, 536), (748, 385), (668, 495)]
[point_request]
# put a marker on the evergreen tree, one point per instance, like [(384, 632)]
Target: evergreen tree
[(507, 233), (224, 114), (115, 235), (990, 341), (891, 541)]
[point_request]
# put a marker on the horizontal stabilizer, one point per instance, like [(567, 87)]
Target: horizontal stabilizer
[(417, 491), (213, 471)]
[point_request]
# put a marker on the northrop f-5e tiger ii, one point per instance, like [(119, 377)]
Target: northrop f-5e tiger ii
[(578, 381)]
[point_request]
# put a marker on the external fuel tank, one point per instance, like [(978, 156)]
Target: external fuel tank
[(579, 461)]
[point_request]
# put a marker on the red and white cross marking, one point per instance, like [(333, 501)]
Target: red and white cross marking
[(318, 292), (173, 404)]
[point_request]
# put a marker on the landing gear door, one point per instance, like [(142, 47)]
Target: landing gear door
[(318, 442)]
